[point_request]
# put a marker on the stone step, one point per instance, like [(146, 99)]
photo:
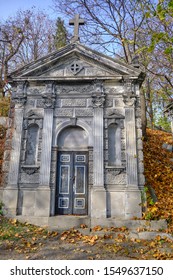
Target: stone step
[(67, 222), (110, 235)]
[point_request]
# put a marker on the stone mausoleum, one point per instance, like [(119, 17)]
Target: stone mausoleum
[(76, 146)]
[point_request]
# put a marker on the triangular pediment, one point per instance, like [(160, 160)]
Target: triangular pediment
[(75, 66), (75, 61)]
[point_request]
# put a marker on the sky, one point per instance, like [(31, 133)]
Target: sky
[(10, 7)]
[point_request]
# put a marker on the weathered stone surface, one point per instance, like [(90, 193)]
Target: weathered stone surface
[(29, 178), (113, 178), (76, 141), (73, 102), (63, 112)]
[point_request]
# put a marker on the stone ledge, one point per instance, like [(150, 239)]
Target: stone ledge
[(131, 224), (66, 222)]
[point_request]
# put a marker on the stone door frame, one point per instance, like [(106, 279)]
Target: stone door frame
[(75, 122)]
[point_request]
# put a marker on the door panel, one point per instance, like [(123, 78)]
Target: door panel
[(64, 179), (80, 179), (71, 195)]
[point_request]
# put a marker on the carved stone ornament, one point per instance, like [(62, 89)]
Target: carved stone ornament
[(98, 96), (128, 86), (73, 89), (34, 114), (115, 115), (49, 96), (115, 178), (19, 101), (75, 67), (98, 100), (49, 101), (129, 100), (116, 170), (29, 169)]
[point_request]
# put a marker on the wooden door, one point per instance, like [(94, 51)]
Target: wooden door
[(71, 195)]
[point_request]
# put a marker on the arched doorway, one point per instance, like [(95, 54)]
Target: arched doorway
[(72, 172)]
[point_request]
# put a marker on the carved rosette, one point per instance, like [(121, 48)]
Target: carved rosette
[(98, 96)]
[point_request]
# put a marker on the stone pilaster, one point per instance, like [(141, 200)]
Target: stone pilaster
[(131, 149), (10, 195), (49, 100), (42, 207), (98, 99), (98, 193), (46, 148), (132, 193), (98, 159)]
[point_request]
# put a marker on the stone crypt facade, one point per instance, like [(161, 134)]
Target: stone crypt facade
[(76, 147)]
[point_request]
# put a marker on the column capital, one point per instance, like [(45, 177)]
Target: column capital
[(129, 100), (98, 100), (20, 95), (19, 101), (49, 95), (128, 84), (98, 95)]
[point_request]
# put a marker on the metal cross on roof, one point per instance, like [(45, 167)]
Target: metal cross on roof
[(76, 21)]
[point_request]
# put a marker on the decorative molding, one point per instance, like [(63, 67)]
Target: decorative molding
[(116, 169), (71, 89), (34, 91), (31, 102), (73, 102), (114, 91), (34, 114), (63, 112), (85, 112), (115, 115), (30, 169)]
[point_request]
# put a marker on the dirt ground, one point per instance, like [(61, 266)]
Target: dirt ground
[(73, 245)]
